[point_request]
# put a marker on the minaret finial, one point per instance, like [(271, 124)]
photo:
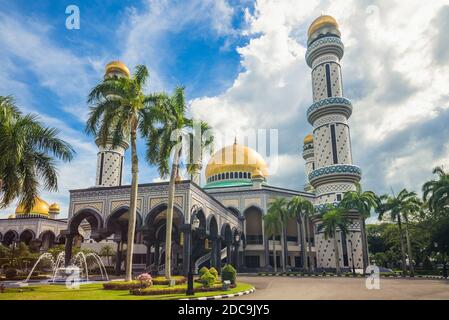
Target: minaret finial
[(235, 139)]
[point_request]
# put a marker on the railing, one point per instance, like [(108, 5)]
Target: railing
[(207, 257)]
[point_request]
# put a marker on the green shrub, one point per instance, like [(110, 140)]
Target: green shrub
[(228, 272), (214, 272), (202, 271), (11, 273), (124, 285), (164, 281), (207, 279)]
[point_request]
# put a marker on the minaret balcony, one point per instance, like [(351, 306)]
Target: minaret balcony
[(335, 173), (323, 46), (329, 106)]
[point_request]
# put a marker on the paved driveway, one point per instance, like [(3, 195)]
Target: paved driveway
[(293, 288)]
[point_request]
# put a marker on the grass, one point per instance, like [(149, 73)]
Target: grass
[(96, 292)]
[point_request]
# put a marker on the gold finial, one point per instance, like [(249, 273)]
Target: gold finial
[(235, 139)]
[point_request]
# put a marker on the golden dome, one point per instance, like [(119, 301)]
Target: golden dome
[(257, 174), (308, 138), (55, 208), (320, 22), (117, 66), (236, 158), (40, 207)]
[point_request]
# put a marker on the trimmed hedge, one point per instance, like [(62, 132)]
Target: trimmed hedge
[(228, 273), (208, 279), (157, 291), (164, 281), (124, 285), (23, 277)]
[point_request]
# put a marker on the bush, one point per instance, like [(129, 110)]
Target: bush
[(214, 272), (228, 273), (11, 273), (164, 281), (202, 271), (125, 285), (207, 279)]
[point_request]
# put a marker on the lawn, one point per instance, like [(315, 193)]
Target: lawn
[(96, 292)]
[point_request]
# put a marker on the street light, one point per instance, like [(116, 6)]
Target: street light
[(237, 242), (194, 225), (352, 258)]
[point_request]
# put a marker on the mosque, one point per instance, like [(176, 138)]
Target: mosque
[(231, 205)]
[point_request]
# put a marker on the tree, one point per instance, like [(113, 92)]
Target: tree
[(303, 209), (272, 228), (27, 157), (279, 209), (165, 142), (399, 208), (107, 251), (119, 110), (334, 220), (363, 202), (436, 192)]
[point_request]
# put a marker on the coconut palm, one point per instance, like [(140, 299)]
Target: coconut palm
[(119, 111), (279, 209), (272, 228), (303, 209), (199, 145), (436, 192), (334, 220), (363, 202), (166, 140), (27, 157), (398, 209)]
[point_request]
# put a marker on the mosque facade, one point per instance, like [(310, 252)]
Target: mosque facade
[(236, 196)]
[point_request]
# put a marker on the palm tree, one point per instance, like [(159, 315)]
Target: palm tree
[(272, 228), (398, 208), (119, 109), (363, 202), (303, 209), (165, 139), (279, 209), (27, 157), (436, 192), (198, 146), (332, 220)]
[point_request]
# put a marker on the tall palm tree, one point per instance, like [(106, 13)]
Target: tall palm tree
[(303, 209), (272, 228), (333, 220), (27, 157), (166, 140), (363, 202), (119, 110), (436, 192), (398, 208), (199, 145), (279, 209)]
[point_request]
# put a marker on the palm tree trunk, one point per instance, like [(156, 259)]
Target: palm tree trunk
[(401, 240), (409, 249), (274, 254), (364, 244), (337, 254), (303, 245), (282, 247), (133, 204), (311, 262), (169, 221)]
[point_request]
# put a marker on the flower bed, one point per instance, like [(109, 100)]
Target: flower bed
[(124, 285), (164, 281), (170, 290)]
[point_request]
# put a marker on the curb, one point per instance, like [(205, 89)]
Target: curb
[(342, 276), (223, 296)]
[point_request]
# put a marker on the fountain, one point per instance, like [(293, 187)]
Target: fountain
[(77, 269)]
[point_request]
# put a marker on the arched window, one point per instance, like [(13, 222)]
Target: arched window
[(232, 175), (249, 175), (245, 175), (240, 175), (227, 175)]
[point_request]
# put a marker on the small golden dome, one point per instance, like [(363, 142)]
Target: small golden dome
[(320, 22), (40, 207), (55, 208), (308, 138), (117, 66), (236, 158), (178, 178), (11, 216), (257, 174)]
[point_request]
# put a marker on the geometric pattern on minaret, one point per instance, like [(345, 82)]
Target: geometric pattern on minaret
[(110, 161), (333, 173)]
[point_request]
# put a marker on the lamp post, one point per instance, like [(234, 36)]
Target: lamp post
[(237, 242), (352, 258), (13, 249), (194, 224)]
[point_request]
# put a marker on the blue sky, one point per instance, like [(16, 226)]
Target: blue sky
[(242, 63)]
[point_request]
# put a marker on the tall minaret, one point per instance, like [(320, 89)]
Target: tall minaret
[(110, 160), (309, 156), (334, 173)]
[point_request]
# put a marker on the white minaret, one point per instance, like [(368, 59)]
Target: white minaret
[(334, 173), (309, 156), (110, 161)]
